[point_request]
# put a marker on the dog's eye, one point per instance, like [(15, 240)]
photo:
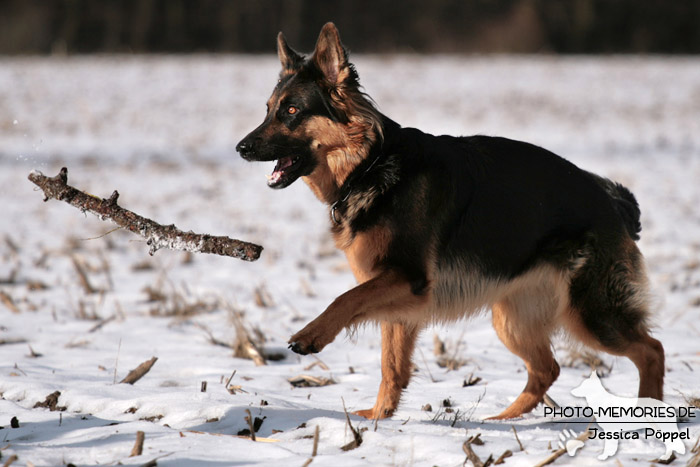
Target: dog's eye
[(291, 110)]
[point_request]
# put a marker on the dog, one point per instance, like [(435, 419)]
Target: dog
[(643, 413), (438, 228)]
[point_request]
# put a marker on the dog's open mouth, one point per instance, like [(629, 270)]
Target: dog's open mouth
[(285, 167)]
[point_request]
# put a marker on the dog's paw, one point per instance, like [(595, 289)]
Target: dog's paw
[(373, 414), (313, 338), (302, 349)]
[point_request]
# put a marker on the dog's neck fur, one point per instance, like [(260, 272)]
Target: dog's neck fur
[(361, 140), (371, 177)]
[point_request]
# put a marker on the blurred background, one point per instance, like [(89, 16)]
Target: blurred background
[(150, 97), (369, 26)]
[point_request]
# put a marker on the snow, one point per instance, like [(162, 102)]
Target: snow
[(163, 130)]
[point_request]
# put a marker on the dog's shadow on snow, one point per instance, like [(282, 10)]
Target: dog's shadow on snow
[(270, 419), (74, 430)]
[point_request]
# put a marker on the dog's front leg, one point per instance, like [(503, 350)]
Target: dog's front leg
[(398, 341), (386, 297)]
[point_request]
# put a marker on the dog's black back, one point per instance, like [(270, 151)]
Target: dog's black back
[(506, 204)]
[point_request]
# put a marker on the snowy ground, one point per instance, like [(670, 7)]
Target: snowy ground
[(162, 131)]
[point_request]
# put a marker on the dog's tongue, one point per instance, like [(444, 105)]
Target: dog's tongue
[(283, 163), (276, 174)]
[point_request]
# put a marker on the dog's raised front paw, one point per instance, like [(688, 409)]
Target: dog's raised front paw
[(314, 337), (296, 347)]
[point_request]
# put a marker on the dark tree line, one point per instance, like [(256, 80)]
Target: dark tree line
[(424, 26)]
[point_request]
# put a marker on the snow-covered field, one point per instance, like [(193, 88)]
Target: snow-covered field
[(162, 131)]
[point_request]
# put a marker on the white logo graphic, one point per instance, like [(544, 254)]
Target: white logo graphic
[(622, 417), (568, 441)]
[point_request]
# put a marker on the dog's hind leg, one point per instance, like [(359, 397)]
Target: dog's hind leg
[(524, 322), (609, 311), (646, 353), (648, 356), (398, 342)]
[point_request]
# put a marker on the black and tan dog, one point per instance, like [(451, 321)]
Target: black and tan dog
[(438, 228)]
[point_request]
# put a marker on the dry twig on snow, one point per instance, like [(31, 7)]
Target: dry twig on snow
[(315, 449), (356, 434), (560, 452), (138, 372), (157, 236), (51, 402), (137, 450), (245, 346), (471, 455), (10, 460), (309, 381), (8, 302)]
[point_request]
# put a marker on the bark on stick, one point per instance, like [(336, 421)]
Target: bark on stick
[(137, 450), (138, 372), (157, 235)]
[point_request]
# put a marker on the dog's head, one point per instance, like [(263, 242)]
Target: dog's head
[(318, 124)]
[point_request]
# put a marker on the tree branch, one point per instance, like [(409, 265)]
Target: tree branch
[(157, 236)]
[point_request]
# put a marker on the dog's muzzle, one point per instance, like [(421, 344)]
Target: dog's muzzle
[(245, 149)]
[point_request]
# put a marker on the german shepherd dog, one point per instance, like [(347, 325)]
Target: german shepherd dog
[(437, 228)]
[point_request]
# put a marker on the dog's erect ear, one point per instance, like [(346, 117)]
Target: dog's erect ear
[(330, 56), (288, 57)]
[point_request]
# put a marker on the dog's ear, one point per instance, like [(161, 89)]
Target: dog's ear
[(330, 56), (288, 57)]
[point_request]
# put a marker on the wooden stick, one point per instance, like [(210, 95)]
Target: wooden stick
[(8, 302), (230, 378), (10, 460), (356, 436), (560, 452), (137, 450), (471, 455), (12, 340), (244, 347), (314, 451), (138, 372), (157, 236), (517, 438), (249, 419), (501, 459), (694, 461), (100, 324), (84, 280)]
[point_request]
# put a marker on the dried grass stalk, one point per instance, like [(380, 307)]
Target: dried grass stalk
[(245, 346), (138, 372), (137, 450)]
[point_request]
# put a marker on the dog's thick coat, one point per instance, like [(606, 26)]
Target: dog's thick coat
[(436, 228)]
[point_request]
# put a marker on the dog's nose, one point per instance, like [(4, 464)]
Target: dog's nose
[(243, 147)]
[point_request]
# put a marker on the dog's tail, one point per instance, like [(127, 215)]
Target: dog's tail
[(625, 205)]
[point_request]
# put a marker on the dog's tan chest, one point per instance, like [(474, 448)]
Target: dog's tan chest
[(364, 250)]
